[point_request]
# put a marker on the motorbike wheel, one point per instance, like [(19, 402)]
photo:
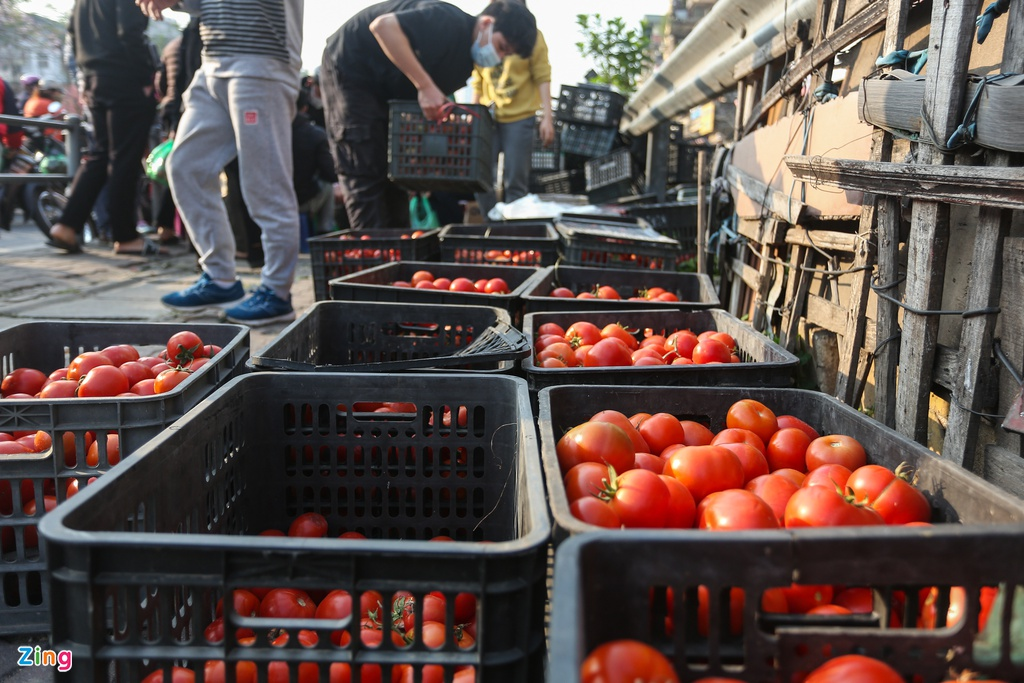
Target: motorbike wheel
[(49, 206)]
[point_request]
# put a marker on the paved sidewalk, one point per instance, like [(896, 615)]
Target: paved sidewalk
[(38, 282)]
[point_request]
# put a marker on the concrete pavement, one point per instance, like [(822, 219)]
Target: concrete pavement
[(38, 282)]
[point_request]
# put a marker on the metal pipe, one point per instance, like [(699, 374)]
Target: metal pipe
[(701, 67)]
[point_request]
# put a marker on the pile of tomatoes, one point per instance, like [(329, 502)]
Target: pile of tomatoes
[(389, 253), (630, 661), (584, 344), (761, 472), (412, 620), (611, 293), (424, 279), (514, 257), (118, 370)]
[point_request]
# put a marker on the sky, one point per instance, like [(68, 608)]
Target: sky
[(555, 18)]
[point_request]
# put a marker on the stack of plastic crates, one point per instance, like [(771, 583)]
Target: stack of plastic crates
[(590, 118)]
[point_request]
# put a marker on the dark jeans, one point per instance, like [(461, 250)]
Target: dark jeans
[(357, 124), (120, 139)]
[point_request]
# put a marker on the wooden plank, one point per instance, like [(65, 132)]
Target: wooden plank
[(857, 305), (797, 285), (782, 206), (949, 47), (1004, 468), (779, 45), (764, 283), (1009, 329), (970, 185), (830, 240), (825, 313), (746, 273), (984, 288), (702, 213), (860, 25)]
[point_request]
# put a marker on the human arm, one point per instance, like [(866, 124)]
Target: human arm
[(476, 83), (547, 119), (154, 8), (395, 44)]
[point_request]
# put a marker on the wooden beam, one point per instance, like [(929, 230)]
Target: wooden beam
[(781, 205), (858, 26), (887, 246), (746, 273), (825, 313), (984, 288), (971, 185), (702, 213), (1008, 328), (797, 285), (1004, 468), (824, 239), (779, 45), (949, 49)]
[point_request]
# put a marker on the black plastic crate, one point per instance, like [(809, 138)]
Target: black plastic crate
[(374, 284), (523, 243), (677, 220), (695, 290), (763, 362), (545, 159), (605, 244), (588, 141), (24, 592), (346, 251), (563, 182), (453, 154), (634, 572), (140, 559), (596, 105), (956, 495), (609, 177), (352, 336)]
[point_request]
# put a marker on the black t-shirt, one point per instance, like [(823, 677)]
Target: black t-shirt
[(440, 34)]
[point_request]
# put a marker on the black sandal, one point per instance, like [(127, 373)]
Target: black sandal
[(70, 247)]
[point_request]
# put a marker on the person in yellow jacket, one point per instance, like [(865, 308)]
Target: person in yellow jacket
[(517, 88)]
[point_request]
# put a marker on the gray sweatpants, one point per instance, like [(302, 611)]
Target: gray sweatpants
[(250, 118), (515, 141)]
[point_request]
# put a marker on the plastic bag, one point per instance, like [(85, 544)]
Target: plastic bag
[(156, 163), (421, 213)]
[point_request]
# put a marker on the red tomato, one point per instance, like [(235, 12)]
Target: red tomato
[(639, 499), (583, 333), (425, 284), (421, 276), (287, 603), (146, 387), (462, 284), (13, 448), (753, 460), (23, 381), (835, 476), (734, 510), (895, 499), (753, 415), (788, 448), (829, 609), (245, 603), (822, 506), (608, 353), (710, 351), (660, 431), (695, 433), (600, 442), (92, 456), (607, 292), (551, 328), (183, 347), (795, 476), (119, 354), (169, 379), (135, 372), (617, 331), (443, 283), (791, 421), (854, 669), (836, 449), (703, 470), (618, 419), (178, 675), (627, 660), (595, 511), (856, 599), (649, 462), (585, 479), (684, 342), (309, 525), (681, 510), (563, 293), (103, 380), (802, 598), (496, 285), (29, 535), (85, 362), (734, 601), (737, 435), (336, 605)]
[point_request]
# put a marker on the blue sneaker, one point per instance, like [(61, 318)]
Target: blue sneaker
[(202, 295), (262, 308)]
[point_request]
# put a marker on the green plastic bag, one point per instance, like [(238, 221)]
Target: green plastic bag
[(421, 213), (156, 162)]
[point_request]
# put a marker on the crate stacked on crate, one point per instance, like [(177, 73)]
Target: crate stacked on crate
[(354, 336), (568, 182), (610, 177), (693, 291), (761, 362), (677, 220), (517, 242), (453, 154), (347, 251), (736, 604), (589, 117), (600, 242), (79, 439), (545, 160), (141, 566)]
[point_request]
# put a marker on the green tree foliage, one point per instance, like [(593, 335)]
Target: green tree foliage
[(619, 53)]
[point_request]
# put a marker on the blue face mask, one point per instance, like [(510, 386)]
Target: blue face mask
[(486, 56)]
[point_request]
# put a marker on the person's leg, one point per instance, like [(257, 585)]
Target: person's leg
[(129, 136), (517, 144), (89, 181), (203, 145), (487, 200), (262, 112)]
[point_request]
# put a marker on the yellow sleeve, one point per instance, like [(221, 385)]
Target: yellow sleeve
[(540, 67), (476, 82)]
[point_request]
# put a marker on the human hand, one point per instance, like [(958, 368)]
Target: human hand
[(432, 102), (547, 131), (154, 8)]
